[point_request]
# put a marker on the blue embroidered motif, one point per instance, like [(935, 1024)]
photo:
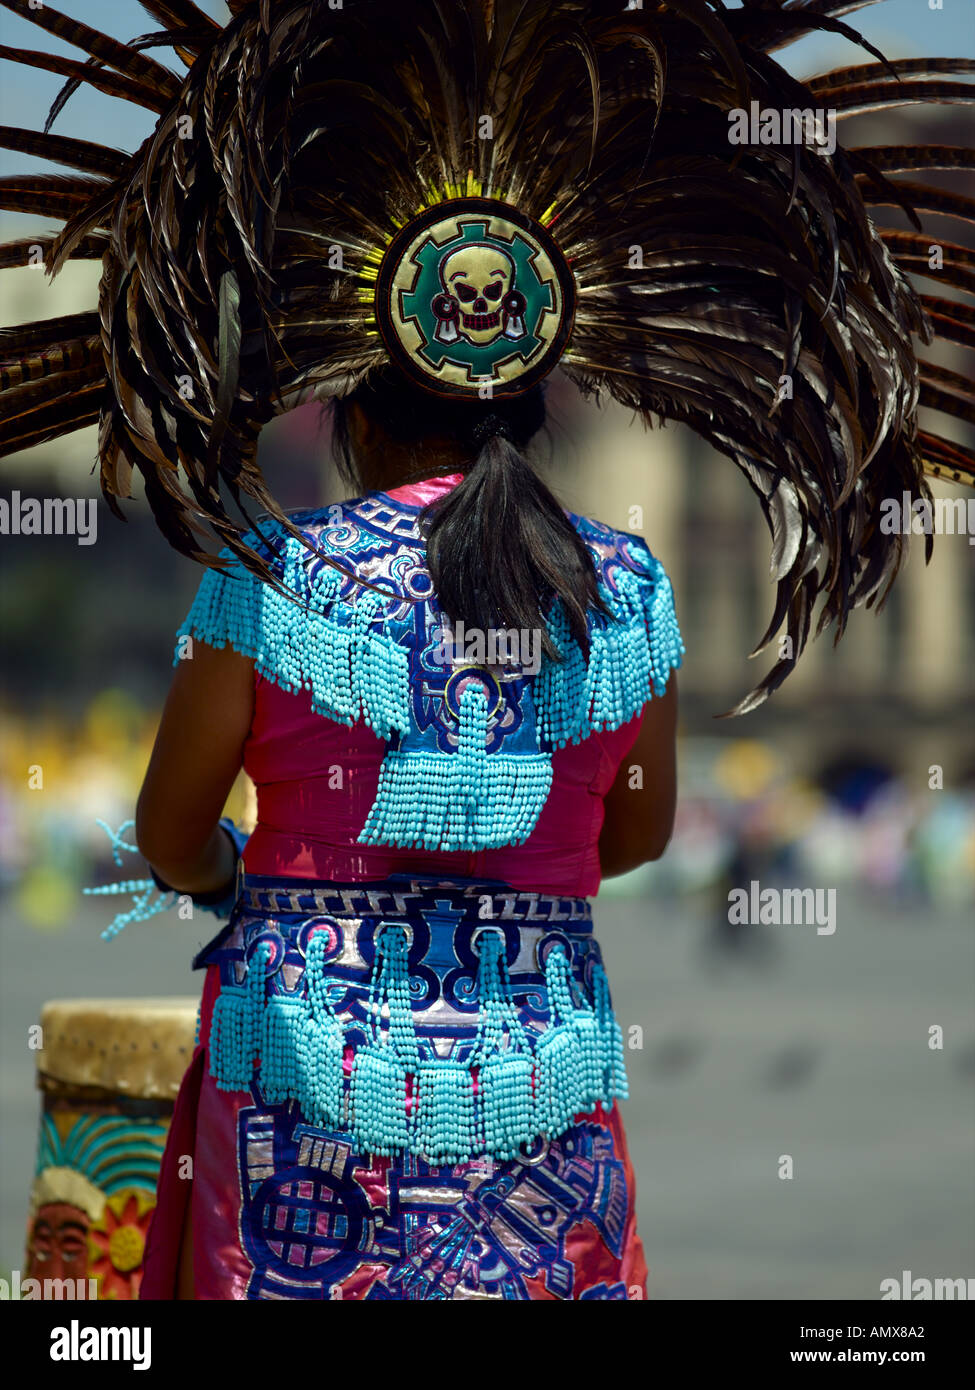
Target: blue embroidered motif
[(315, 1211), (468, 764)]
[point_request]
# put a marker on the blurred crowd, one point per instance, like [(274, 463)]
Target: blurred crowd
[(744, 814)]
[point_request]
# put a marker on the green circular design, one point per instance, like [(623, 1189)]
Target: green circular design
[(410, 283)]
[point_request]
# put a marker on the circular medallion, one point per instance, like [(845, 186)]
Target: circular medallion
[(474, 299), (314, 928), (464, 676), (268, 937)]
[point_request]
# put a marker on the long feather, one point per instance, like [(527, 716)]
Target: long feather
[(30, 396), (14, 342), (114, 84), (228, 356), (943, 459), (51, 364), (953, 264), (52, 194), (61, 416), (903, 159), (180, 15), (79, 154), (98, 45), (876, 96), (948, 402), (869, 74), (926, 198), (25, 251)]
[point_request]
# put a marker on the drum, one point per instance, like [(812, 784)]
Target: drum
[(108, 1072)]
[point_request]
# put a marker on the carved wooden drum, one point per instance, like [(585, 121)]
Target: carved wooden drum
[(108, 1072)]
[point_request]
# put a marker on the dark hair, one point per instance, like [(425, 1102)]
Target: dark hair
[(500, 549)]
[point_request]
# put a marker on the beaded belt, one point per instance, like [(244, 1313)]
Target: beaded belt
[(443, 1017)]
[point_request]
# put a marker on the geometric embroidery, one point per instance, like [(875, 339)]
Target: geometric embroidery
[(316, 1216)]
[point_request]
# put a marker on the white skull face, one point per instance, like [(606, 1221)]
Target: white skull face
[(478, 276)]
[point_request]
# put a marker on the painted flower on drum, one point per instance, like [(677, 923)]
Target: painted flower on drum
[(117, 1242)]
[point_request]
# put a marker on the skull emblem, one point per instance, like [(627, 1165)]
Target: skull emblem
[(476, 281)]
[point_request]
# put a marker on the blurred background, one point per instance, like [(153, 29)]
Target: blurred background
[(747, 1043)]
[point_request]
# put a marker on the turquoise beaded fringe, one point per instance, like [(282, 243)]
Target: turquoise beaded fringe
[(315, 642), (628, 659), (294, 1047), (463, 800)]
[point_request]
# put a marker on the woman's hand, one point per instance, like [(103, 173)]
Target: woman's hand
[(639, 819), (197, 755)]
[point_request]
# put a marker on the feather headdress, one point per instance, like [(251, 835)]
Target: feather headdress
[(742, 287)]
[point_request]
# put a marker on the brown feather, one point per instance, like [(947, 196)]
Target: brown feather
[(23, 252), (80, 154), (62, 416), (944, 459), (15, 342), (926, 198), (866, 74), (112, 83), (876, 96), (180, 15), (54, 362), (118, 55)]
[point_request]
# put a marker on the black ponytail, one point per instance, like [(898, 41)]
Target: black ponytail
[(500, 549)]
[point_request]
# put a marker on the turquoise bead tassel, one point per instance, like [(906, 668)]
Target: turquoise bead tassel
[(236, 1029), (618, 681), (378, 1098), (285, 1017), (558, 1096), (666, 644), (320, 1046), (424, 800), (395, 946), (471, 764), (507, 1103), (147, 900), (559, 1064), (227, 1028), (591, 1071), (445, 1127), (630, 659), (379, 1071), (560, 686), (611, 1042)]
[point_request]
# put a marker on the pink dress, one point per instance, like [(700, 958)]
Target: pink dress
[(307, 829)]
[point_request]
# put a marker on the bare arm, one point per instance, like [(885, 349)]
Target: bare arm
[(639, 819), (196, 757)]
